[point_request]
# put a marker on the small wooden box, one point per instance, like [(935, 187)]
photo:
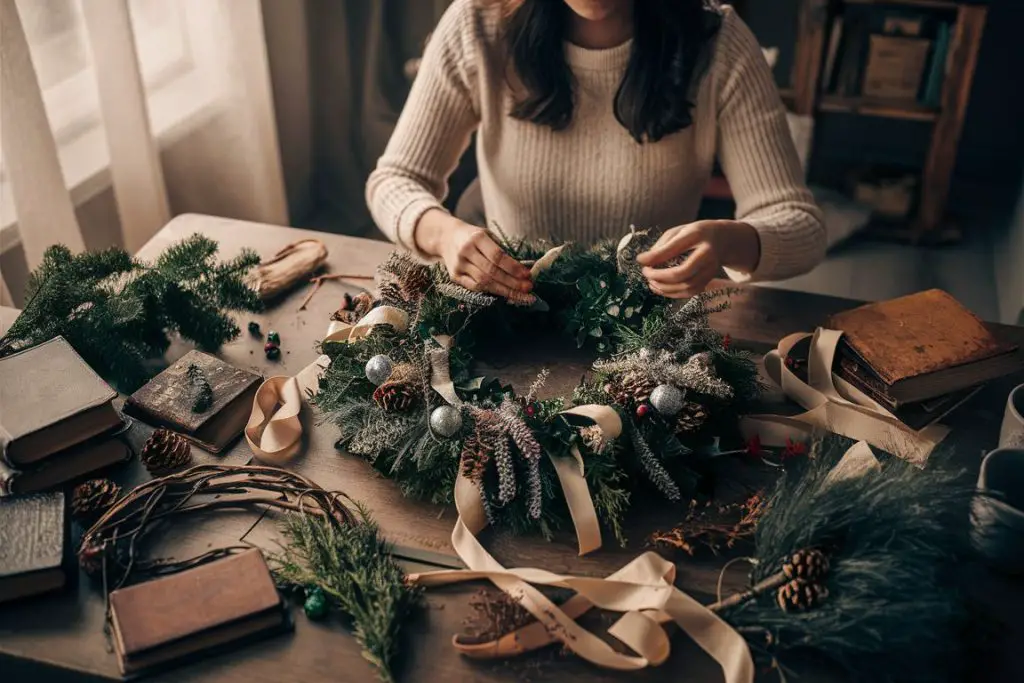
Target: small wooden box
[(895, 67)]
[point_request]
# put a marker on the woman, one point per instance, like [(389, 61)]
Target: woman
[(592, 115)]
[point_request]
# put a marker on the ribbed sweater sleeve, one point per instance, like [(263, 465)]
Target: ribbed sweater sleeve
[(757, 154), (432, 132)]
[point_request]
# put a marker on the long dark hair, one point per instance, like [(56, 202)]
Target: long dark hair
[(653, 100)]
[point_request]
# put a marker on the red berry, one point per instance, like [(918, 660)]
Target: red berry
[(726, 342), (643, 410), (531, 410), (268, 346)]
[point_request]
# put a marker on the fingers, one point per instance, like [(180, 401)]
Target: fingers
[(685, 271), (684, 290), (486, 272), (671, 244), (482, 282), (517, 272)]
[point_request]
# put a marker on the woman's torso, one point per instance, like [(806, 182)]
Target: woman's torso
[(591, 180)]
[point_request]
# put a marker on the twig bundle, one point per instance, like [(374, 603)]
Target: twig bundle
[(115, 542)]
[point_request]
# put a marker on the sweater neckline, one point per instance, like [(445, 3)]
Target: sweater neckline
[(607, 59)]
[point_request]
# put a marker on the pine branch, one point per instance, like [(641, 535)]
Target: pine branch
[(118, 313)]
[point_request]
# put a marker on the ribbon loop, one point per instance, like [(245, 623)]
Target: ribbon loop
[(834, 405)]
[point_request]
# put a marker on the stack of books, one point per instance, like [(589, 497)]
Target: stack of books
[(57, 419), (919, 356)]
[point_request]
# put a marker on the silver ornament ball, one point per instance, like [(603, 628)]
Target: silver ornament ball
[(667, 399), (445, 421), (378, 369)]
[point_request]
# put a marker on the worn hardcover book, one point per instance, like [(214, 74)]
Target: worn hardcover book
[(71, 464), (34, 545), (168, 400), (921, 347), (194, 611), (50, 400)]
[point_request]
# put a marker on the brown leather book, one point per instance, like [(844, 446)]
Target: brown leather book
[(168, 400), (50, 400), (70, 464), (923, 346), (34, 545), (194, 611)]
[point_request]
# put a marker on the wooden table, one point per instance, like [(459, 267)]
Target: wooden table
[(60, 637)]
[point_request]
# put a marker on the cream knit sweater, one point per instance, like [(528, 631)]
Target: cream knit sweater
[(592, 180)]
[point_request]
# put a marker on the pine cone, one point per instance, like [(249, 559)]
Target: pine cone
[(92, 498), (164, 452), (809, 563), (362, 303), (800, 594), (391, 294), (396, 397), (630, 388), (414, 282), (691, 418)]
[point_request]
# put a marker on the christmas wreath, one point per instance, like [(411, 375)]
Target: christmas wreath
[(677, 385)]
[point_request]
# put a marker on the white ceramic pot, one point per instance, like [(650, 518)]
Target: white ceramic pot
[(997, 511)]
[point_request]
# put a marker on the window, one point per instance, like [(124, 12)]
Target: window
[(169, 38)]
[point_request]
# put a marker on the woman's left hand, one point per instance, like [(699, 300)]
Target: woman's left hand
[(715, 244)]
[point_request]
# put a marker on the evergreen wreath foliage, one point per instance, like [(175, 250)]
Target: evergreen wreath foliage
[(595, 298), (118, 312), (896, 538)]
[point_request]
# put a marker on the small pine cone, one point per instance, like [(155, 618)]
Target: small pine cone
[(92, 498), (362, 303), (395, 397), (800, 594), (414, 282), (691, 418), (391, 294), (631, 388), (809, 563), (165, 452)]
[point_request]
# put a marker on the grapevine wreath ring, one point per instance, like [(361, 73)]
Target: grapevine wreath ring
[(405, 399)]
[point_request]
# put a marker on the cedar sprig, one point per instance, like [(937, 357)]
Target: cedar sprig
[(714, 527), (354, 568), (202, 392)]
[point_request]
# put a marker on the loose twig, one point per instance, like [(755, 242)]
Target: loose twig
[(318, 281)]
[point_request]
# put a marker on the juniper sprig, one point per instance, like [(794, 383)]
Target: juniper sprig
[(354, 568)]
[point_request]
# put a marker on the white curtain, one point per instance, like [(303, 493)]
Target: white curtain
[(165, 102)]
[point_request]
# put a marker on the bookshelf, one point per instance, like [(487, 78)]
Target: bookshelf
[(810, 94)]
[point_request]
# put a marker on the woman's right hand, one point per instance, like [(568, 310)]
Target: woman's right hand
[(473, 259)]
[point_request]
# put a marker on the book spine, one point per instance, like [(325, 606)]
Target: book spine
[(831, 62), (937, 72)]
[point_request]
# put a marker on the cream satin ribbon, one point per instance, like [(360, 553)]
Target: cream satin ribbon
[(274, 430), (834, 405), (642, 591)]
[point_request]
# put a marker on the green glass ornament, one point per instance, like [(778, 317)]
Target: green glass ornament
[(273, 337), (315, 607), (254, 328)]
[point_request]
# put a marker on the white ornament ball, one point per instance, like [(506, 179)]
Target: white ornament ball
[(667, 399), (378, 369), (445, 421)]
